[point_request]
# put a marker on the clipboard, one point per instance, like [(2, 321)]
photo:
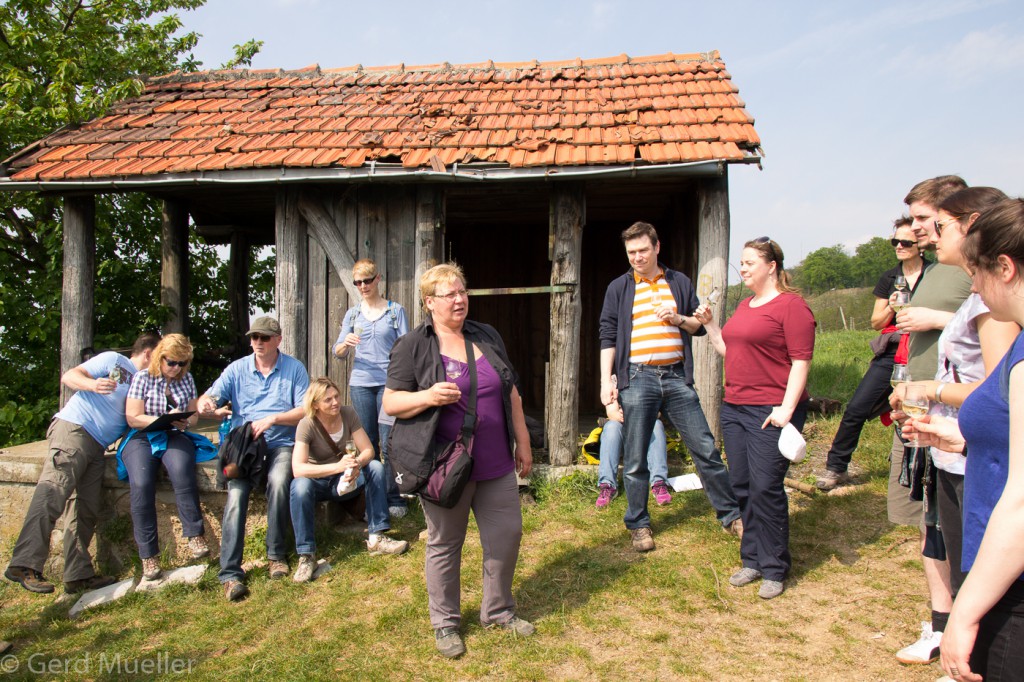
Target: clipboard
[(165, 422)]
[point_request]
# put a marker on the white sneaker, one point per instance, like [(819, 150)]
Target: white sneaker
[(306, 568), (924, 650), (385, 545)]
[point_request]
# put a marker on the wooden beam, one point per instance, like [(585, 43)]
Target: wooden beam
[(712, 271), (430, 225), (568, 215), (320, 338), (292, 261), (324, 230), (174, 266), (77, 297), (238, 290)]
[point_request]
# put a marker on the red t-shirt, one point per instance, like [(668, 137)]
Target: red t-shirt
[(761, 343)]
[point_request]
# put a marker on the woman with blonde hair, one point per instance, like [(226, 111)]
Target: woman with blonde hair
[(165, 387)]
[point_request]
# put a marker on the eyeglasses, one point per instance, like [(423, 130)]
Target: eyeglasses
[(905, 243), (176, 363), (452, 296), (260, 337), (361, 282), (939, 227)]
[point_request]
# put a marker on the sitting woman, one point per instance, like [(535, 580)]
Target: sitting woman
[(323, 470), (166, 387)]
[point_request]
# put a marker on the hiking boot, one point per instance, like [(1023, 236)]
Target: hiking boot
[(642, 538), (235, 590), (449, 642), (523, 628), (151, 568), (88, 584), (29, 578), (735, 527), (397, 512), (661, 494), (306, 568), (198, 546), (605, 495), (830, 480), (277, 569), (385, 545), (744, 576), (770, 589), (924, 650)]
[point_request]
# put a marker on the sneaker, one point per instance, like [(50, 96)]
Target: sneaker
[(235, 590), (29, 578), (830, 480), (385, 545), (277, 569), (924, 650), (744, 576), (770, 589), (661, 494), (605, 495), (398, 512), (198, 547), (643, 539), (87, 584), (449, 642), (151, 568), (523, 628), (735, 528), (304, 572)]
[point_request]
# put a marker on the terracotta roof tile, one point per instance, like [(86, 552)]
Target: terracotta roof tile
[(612, 110)]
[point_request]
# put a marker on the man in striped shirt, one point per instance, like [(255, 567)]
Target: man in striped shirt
[(647, 365)]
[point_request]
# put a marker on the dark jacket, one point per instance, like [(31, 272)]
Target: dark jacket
[(616, 323), (416, 365), (247, 453)]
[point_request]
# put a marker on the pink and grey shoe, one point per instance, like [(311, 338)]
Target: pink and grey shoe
[(605, 495), (661, 494)]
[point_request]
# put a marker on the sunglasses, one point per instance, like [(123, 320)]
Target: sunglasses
[(905, 243), (939, 227), (260, 337), (361, 282), (176, 363)]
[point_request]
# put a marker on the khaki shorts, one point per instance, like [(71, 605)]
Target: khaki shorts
[(903, 511)]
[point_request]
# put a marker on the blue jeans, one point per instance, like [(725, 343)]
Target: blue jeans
[(232, 541), (366, 401), (179, 459), (611, 453), (662, 389), (306, 492)]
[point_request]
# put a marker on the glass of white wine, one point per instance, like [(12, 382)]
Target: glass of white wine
[(916, 404), (115, 373), (900, 283), (452, 369), (901, 301), (899, 375), (655, 296)]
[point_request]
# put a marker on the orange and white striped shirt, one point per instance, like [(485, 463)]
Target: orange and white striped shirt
[(653, 341)]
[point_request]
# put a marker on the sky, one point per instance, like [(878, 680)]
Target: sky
[(854, 102)]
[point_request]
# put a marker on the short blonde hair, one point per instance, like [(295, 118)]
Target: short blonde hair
[(175, 347), (364, 268), (315, 393), (445, 273)]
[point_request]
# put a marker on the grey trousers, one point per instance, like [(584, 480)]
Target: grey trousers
[(71, 484), (495, 505)]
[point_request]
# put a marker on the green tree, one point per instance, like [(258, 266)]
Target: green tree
[(64, 62), (870, 260), (826, 268)]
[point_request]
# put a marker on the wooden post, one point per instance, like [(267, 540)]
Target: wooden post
[(174, 266), (292, 260), (76, 305), (324, 230), (712, 271), (320, 338), (561, 398), (430, 222), (238, 290)]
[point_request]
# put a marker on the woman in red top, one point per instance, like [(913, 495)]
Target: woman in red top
[(770, 341)]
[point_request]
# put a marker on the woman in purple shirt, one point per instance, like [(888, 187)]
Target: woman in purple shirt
[(427, 389)]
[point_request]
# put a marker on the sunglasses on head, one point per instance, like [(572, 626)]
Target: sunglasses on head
[(360, 282), (176, 363), (260, 337), (905, 243)]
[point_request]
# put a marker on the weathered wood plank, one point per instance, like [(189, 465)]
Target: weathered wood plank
[(319, 344), (430, 227), (238, 288), (401, 248), (174, 266), (77, 299), (322, 227), (568, 215), (292, 264), (712, 270)]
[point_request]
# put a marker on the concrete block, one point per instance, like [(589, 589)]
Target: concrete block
[(104, 595)]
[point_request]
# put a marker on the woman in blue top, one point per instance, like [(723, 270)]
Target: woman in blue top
[(371, 329), (986, 626)]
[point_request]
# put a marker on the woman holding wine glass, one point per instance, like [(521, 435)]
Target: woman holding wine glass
[(370, 330), (428, 391)]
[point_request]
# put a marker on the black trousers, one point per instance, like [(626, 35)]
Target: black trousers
[(869, 400), (998, 655)]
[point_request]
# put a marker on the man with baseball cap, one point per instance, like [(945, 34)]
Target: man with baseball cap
[(266, 389)]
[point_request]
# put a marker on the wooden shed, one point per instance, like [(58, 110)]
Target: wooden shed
[(524, 173)]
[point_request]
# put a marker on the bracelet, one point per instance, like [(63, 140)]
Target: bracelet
[(938, 391)]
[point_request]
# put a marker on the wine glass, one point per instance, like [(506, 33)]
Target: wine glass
[(115, 373), (916, 404), (713, 297), (900, 283), (899, 375), (655, 296), (358, 331), (452, 369), (901, 301)]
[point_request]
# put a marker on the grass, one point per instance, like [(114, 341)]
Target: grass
[(603, 612)]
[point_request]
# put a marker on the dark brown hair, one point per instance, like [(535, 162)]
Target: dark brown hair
[(640, 229), (902, 221), (999, 231), (770, 251), (971, 200), (935, 190), (147, 341)]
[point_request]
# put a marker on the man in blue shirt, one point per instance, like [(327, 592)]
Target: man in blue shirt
[(73, 471), (266, 389)]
